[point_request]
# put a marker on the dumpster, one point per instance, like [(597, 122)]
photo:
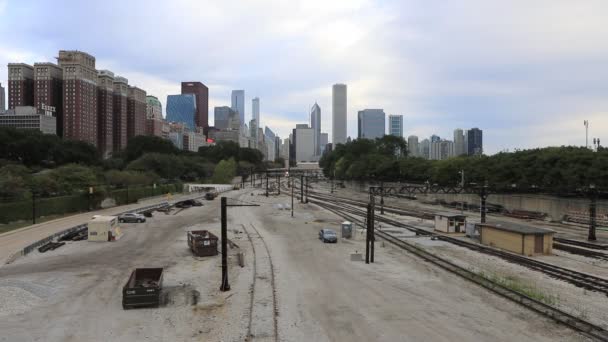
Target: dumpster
[(202, 243), (347, 229), (143, 288)]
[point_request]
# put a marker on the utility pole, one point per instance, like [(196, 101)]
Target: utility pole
[(381, 199), (225, 285), (224, 219), (592, 213), (291, 179), (302, 188), (484, 196), (279, 184), (266, 183), (251, 175), (367, 229), (306, 201), (372, 236)]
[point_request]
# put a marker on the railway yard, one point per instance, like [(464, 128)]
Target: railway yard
[(287, 285)]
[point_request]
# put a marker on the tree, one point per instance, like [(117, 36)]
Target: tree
[(224, 172), (167, 166), (142, 144)]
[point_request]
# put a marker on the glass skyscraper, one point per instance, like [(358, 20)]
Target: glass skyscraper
[(371, 123), (395, 125), (182, 108)]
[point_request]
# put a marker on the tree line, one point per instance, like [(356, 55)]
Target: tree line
[(50, 166), (556, 168)]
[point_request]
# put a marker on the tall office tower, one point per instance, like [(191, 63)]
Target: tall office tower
[(338, 114), (435, 138), (395, 125), (154, 109), (255, 109), (119, 107), (20, 85), (441, 150), (225, 118), (303, 141), (474, 142), (270, 143), (324, 142), (136, 113), (238, 104), (315, 124), (182, 108), (201, 119), (2, 98), (48, 95), (105, 112), (371, 124), (459, 144), (79, 96), (425, 149), (412, 146)]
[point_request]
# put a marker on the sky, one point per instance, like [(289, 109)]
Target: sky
[(526, 72)]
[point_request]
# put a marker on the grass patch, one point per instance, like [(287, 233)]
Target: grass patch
[(4, 228), (522, 287)]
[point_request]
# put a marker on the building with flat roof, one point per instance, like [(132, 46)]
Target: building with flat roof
[(371, 124), (338, 114), (517, 238), (20, 85), (395, 125), (48, 91), (28, 117), (182, 108), (2, 98), (119, 117), (459, 143), (105, 112), (225, 117), (201, 93), (136, 113), (304, 146), (474, 142), (79, 96), (412, 146)]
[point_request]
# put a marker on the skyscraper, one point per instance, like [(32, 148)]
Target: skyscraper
[(371, 123), (20, 85), (315, 124), (412, 146), (474, 142), (119, 107), (338, 112), (225, 117), (154, 116), (395, 125), (201, 118), (255, 109), (48, 95), (105, 112), (459, 144), (136, 112), (238, 104), (182, 108), (79, 96), (425, 149), (2, 98), (435, 138), (442, 149), (324, 142)]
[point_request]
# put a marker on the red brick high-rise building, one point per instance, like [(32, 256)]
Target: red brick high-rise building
[(105, 112), (20, 85), (136, 113), (48, 91), (121, 93), (201, 119), (79, 96)]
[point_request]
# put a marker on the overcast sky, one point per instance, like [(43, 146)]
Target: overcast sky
[(526, 72)]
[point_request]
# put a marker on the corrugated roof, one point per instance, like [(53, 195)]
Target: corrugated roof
[(517, 228)]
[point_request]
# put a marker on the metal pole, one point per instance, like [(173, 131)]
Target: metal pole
[(291, 195), (592, 216), (381, 198), (302, 188), (252, 176), (266, 184), (306, 190), (225, 286), (367, 230), (279, 185), (372, 224), (33, 207), (483, 195)]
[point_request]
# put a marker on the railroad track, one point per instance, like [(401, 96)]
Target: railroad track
[(257, 329), (583, 280), (589, 329)]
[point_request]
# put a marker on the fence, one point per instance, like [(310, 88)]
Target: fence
[(40, 207)]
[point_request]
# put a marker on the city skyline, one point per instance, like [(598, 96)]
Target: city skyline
[(509, 82)]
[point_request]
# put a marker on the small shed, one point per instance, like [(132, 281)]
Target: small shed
[(450, 222), (517, 238), (347, 229), (103, 228)]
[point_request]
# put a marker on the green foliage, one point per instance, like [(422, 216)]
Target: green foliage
[(73, 177), (142, 144), (224, 172), (167, 166), (557, 168), (124, 178), (224, 150)]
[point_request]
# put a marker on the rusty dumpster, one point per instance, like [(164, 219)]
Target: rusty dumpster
[(202, 243)]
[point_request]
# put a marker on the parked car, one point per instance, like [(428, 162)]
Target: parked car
[(328, 235), (132, 217), (210, 196)]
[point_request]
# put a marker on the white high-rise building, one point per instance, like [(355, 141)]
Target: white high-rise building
[(255, 110), (425, 149), (395, 125), (459, 143), (338, 113), (238, 104), (315, 124), (442, 149), (304, 143), (412, 146)]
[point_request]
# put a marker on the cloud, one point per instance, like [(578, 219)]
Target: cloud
[(506, 67)]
